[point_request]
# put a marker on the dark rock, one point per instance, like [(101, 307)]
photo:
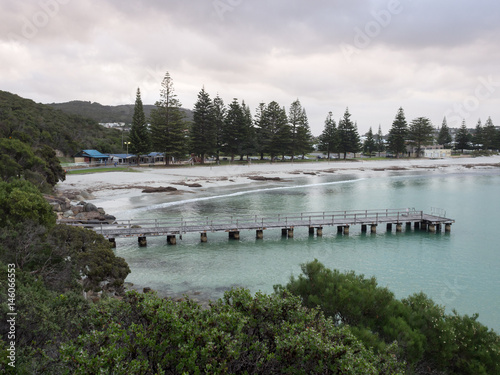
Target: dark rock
[(160, 189), (146, 290), (89, 207), (109, 218), (262, 178), (76, 209)]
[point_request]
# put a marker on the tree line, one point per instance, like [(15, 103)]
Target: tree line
[(418, 133), (218, 128), (231, 129)]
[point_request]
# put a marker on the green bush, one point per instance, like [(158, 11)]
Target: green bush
[(238, 334), (425, 335)]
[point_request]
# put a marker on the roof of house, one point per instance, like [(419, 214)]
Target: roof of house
[(122, 156), (91, 154)]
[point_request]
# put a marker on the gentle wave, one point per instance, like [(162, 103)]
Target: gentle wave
[(239, 193)]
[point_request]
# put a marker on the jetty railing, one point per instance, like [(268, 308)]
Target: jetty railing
[(217, 223)]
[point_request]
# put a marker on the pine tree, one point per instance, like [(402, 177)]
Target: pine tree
[(234, 130), (304, 136), (420, 133), (348, 135), (301, 142), (168, 127), (139, 137), (328, 140), (203, 135), (444, 136), (380, 141), (249, 140), (398, 133), (263, 132), (369, 145), (219, 118), (274, 125), (462, 138), (477, 138), (282, 135), (489, 135)]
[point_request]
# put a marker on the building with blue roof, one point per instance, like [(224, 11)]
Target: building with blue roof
[(91, 157)]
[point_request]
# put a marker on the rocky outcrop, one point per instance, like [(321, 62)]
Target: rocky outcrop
[(262, 178), (84, 212), (159, 189)]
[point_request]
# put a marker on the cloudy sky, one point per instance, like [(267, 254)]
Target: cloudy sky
[(434, 58)]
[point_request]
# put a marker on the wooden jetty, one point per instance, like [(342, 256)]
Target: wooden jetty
[(314, 221)]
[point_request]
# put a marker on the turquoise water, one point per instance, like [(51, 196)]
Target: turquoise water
[(459, 270)]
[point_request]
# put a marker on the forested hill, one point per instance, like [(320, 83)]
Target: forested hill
[(38, 124), (107, 113)]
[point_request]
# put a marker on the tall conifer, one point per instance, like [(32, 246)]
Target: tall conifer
[(398, 134), (203, 134), (168, 126), (328, 140), (139, 137), (348, 135)]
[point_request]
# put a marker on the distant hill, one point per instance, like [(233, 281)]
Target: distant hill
[(106, 113), (38, 124)]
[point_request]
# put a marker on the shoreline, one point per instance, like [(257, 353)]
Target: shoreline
[(116, 190)]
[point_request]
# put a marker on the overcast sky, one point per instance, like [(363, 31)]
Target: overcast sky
[(434, 58)]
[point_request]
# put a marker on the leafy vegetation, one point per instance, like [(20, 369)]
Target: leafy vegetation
[(106, 113), (238, 334), (39, 124), (426, 337)]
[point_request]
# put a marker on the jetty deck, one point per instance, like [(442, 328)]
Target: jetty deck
[(287, 222)]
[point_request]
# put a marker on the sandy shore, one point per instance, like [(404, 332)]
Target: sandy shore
[(114, 189)]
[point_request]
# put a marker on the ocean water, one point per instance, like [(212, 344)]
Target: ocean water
[(459, 270)]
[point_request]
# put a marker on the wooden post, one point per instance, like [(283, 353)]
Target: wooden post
[(424, 225), (340, 229), (311, 230), (373, 228), (142, 241), (432, 228), (171, 239), (399, 227), (234, 235), (290, 232), (363, 228), (389, 227), (346, 229), (112, 241), (259, 233), (284, 232), (203, 237), (447, 228), (319, 231)]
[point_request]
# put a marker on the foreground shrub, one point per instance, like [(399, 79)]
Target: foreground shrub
[(238, 334), (426, 337)]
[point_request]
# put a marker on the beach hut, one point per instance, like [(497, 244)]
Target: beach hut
[(90, 157)]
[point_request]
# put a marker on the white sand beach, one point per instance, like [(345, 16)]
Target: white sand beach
[(112, 189)]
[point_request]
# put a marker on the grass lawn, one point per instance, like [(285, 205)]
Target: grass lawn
[(100, 170)]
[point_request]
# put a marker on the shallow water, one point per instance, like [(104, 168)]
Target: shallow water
[(458, 270)]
